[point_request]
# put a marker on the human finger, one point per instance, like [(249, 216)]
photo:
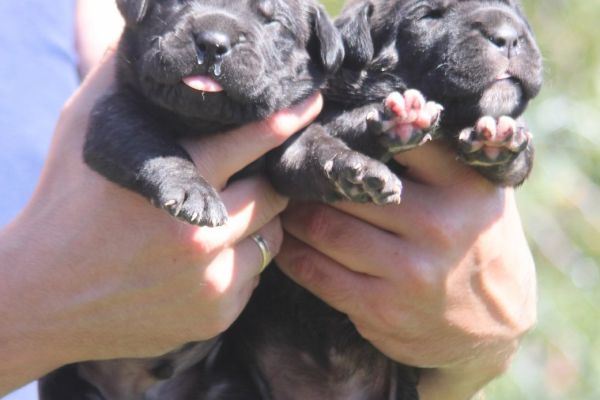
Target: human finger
[(234, 267), (359, 246), (323, 276), (435, 163), (220, 156), (251, 203), (434, 213)]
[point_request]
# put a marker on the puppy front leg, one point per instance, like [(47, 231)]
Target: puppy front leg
[(133, 148), (399, 123), (316, 166)]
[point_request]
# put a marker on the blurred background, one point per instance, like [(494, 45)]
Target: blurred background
[(560, 207)]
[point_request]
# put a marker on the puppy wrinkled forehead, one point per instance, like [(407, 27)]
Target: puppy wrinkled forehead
[(266, 8), (291, 13)]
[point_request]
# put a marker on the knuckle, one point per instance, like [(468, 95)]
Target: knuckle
[(428, 279), (305, 270), (318, 225), (422, 278)]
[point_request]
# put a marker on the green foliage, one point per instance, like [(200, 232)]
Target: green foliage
[(560, 206)]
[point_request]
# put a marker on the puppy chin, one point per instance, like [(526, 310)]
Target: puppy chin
[(503, 97)]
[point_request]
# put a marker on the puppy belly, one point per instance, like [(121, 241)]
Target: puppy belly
[(296, 375)]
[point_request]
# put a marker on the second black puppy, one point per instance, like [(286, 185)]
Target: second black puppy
[(475, 60)]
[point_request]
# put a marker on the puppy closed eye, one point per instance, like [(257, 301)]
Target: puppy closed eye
[(432, 10), (433, 14)]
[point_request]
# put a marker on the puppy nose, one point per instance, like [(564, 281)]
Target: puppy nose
[(506, 38), (212, 44)]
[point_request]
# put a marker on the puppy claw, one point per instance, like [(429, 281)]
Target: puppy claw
[(170, 203), (520, 140), (192, 201), (358, 178)]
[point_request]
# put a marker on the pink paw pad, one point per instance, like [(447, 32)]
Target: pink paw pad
[(409, 116), (494, 139)]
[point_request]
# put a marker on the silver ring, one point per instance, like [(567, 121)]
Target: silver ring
[(264, 251)]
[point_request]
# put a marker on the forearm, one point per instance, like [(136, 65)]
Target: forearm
[(28, 347), (438, 386), (463, 382)]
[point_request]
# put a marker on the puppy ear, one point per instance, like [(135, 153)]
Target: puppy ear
[(327, 40), (133, 11), (355, 27)]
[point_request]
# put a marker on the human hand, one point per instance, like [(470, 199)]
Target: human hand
[(443, 281), (92, 271)]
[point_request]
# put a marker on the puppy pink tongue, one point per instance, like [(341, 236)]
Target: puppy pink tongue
[(203, 83)]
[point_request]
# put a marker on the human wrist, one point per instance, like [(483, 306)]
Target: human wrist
[(465, 380), (28, 348)]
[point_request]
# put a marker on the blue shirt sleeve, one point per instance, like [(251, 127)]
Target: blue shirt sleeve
[(38, 71)]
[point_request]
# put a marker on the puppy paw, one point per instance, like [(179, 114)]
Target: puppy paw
[(407, 120), (493, 141), (193, 201), (359, 178)]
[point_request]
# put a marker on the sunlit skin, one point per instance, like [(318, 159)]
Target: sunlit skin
[(446, 279), (92, 271)]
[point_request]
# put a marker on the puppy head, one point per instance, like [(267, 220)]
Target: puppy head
[(224, 60), (476, 57)]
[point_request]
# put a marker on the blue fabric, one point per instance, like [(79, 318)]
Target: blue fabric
[(37, 74)]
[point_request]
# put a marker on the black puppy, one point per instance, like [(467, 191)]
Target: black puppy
[(200, 67), (188, 68), (477, 60)]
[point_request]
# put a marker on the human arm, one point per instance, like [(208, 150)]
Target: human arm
[(446, 278), (98, 24), (92, 271)]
